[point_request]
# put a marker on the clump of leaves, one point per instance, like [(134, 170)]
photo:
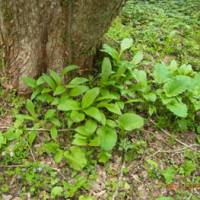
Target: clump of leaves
[(179, 88), (169, 88), (169, 174), (187, 168), (85, 119), (94, 112)]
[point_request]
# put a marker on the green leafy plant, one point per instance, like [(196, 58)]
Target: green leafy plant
[(94, 113), (178, 88), (187, 168), (169, 174), (169, 88), (84, 119), (72, 124)]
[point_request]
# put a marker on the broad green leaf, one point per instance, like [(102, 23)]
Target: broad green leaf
[(56, 77), (177, 86), (30, 82), (88, 129), (69, 69), (114, 108), (78, 90), (56, 122), (141, 78), (107, 95), (111, 123), (79, 140), (59, 90), (40, 81), (120, 104), (31, 137), (130, 121), (50, 114), (150, 96), (30, 107), (94, 113), (165, 100), (137, 58), (78, 81), (54, 133), (77, 116), (46, 90), (89, 97), (104, 156), (108, 138), (51, 147), (58, 156), (45, 98), (103, 118), (110, 51), (161, 73), (55, 101), (106, 70), (68, 104), (91, 125), (50, 82), (36, 93), (82, 130), (24, 117), (95, 142), (178, 108), (121, 71), (76, 158), (126, 44)]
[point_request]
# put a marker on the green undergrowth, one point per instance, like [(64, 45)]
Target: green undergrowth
[(149, 81), (164, 30), (79, 123)]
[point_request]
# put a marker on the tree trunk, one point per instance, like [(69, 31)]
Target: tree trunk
[(38, 35)]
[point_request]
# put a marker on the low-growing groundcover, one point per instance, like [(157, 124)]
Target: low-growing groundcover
[(129, 132), (164, 30)]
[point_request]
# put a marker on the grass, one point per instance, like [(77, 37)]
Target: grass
[(159, 162)]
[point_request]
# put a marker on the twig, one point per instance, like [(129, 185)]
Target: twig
[(58, 170), (161, 139), (169, 151), (32, 154), (177, 140)]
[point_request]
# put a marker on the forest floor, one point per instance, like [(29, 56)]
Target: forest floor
[(161, 161)]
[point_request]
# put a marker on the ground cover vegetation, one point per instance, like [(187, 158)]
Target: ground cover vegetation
[(129, 130)]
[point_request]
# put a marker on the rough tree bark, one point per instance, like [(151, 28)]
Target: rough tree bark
[(39, 35)]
